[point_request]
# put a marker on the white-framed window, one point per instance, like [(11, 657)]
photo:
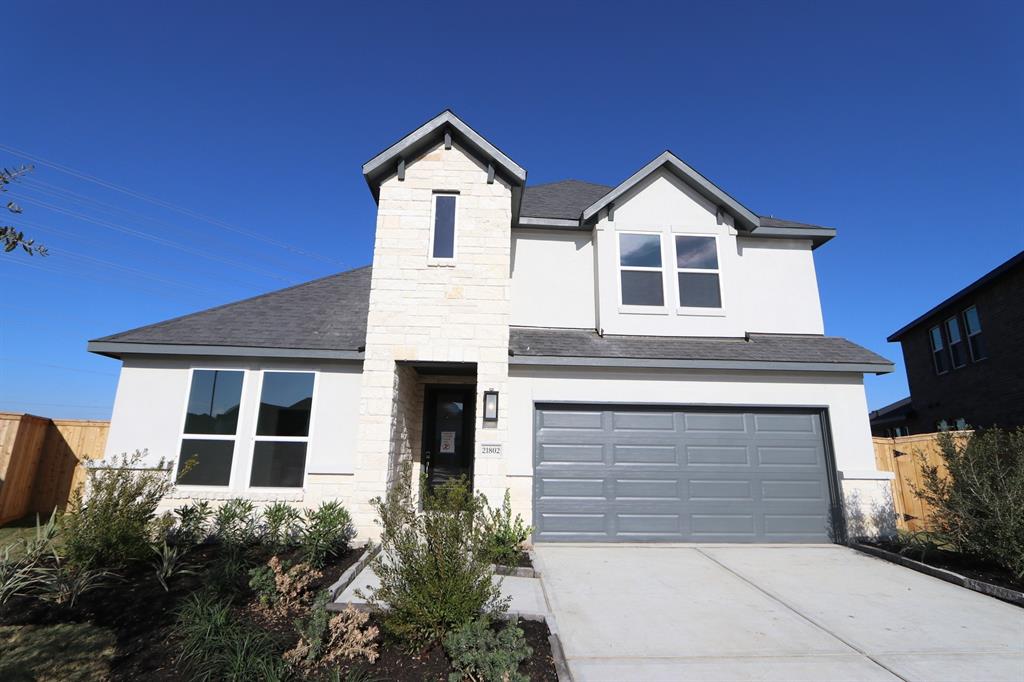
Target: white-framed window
[(443, 228), (641, 279), (975, 339), (939, 355), (210, 427), (957, 351), (283, 426), (697, 272)]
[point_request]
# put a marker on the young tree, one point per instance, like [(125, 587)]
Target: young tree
[(11, 237)]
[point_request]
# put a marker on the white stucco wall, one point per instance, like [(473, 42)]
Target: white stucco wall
[(766, 285), (149, 412), (553, 279)]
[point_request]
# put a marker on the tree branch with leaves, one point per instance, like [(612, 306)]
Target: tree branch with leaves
[(10, 236)]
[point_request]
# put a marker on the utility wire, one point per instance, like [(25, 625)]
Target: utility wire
[(164, 204)]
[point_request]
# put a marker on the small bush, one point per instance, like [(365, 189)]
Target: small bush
[(261, 580), (111, 526), (235, 523), (18, 577), (479, 653), (168, 563), (62, 583), (326, 533), (325, 640), (192, 524), (503, 535), (435, 574), (282, 588), (282, 525), (978, 506)]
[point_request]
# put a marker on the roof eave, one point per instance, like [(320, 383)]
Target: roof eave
[(817, 235), (119, 349), (736, 365)]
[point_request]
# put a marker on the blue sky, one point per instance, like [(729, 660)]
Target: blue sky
[(898, 123)]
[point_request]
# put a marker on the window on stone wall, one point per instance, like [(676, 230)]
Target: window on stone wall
[(975, 339), (443, 231), (640, 270), (211, 424), (282, 430), (939, 355), (697, 272)]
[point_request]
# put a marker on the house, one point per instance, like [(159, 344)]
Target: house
[(643, 362), (963, 359)]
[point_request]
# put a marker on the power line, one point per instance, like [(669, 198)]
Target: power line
[(165, 204)]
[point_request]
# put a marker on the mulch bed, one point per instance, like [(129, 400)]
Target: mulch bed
[(966, 566)]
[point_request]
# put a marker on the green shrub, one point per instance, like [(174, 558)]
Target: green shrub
[(282, 524), (263, 584), (168, 563), (110, 526), (479, 653), (192, 524), (235, 523), (326, 533), (64, 583), (217, 646), (503, 535), (434, 572), (978, 505), (18, 577)]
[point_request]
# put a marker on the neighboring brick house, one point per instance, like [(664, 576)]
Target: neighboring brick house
[(644, 362), (964, 359)]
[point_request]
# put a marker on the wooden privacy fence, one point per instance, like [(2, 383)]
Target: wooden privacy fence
[(41, 461), (903, 456)]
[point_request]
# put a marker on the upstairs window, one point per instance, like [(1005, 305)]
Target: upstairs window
[(442, 238), (211, 423), (939, 354), (282, 430), (974, 337), (697, 272), (957, 349), (640, 275)]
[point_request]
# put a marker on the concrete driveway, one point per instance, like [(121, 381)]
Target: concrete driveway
[(642, 612)]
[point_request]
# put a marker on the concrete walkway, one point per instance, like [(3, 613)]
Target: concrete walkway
[(631, 612)]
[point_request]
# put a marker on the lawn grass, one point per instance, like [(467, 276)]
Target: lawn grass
[(66, 651), (23, 529)]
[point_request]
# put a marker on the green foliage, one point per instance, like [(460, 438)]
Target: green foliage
[(17, 576), (920, 544), (979, 505), (193, 524), (479, 653), (235, 523), (31, 566), (228, 573), (215, 645), (326, 533), (169, 562), (312, 633), (64, 583), (111, 525), (282, 524), (263, 583), (10, 237), (504, 535), (435, 574)]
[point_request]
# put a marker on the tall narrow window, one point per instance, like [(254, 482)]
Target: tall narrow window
[(443, 245), (211, 423), (640, 269), (975, 339), (939, 354), (957, 351), (697, 272), (282, 430)]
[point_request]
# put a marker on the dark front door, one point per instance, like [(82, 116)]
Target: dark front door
[(448, 423)]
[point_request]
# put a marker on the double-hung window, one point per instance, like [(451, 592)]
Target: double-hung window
[(282, 430), (640, 272), (442, 232), (939, 354), (697, 272), (957, 349), (975, 339), (211, 425)]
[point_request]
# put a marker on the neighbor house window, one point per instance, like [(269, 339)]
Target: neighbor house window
[(697, 272), (939, 354), (640, 270), (974, 337), (442, 244), (211, 423), (957, 349), (282, 430)]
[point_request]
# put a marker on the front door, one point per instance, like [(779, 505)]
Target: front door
[(448, 426)]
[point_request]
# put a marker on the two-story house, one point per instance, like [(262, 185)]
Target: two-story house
[(963, 359), (645, 362)]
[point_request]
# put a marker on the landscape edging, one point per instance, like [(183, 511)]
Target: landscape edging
[(352, 571)]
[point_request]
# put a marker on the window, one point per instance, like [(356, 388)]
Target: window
[(974, 337), (697, 271), (957, 350), (282, 430), (640, 269), (211, 422), (443, 233), (939, 350)]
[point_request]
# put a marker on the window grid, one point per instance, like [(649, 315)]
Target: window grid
[(659, 269), (939, 355), (703, 271), (975, 340), (193, 435), (957, 356), (257, 438)]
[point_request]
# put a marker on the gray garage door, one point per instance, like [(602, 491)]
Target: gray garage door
[(641, 474)]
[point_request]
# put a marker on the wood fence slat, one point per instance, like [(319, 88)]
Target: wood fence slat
[(905, 456)]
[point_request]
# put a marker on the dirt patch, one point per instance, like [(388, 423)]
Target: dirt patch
[(967, 566)]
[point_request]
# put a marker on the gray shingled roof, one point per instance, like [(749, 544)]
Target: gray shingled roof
[(585, 343), (325, 314), (565, 199)]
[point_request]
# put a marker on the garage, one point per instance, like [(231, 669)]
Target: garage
[(631, 473)]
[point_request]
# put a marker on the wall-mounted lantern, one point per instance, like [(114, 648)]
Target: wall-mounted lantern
[(491, 407)]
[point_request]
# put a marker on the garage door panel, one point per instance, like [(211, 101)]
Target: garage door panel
[(713, 476), (570, 419)]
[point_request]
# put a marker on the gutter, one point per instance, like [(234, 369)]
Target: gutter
[(668, 363)]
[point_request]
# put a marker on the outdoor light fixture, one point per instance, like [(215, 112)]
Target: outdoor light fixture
[(491, 406)]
